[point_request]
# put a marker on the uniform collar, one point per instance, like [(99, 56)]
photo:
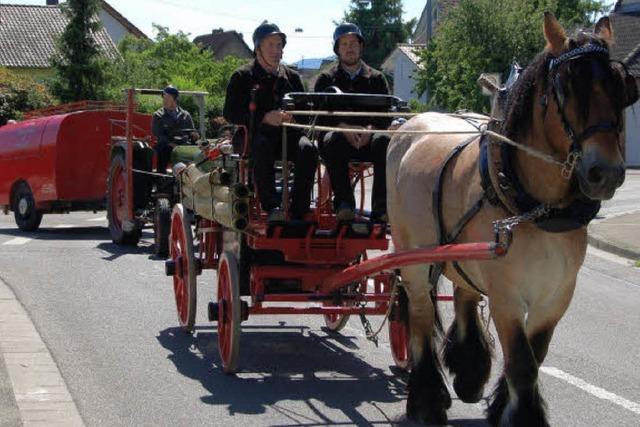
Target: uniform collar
[(364, 71), (260, 72)]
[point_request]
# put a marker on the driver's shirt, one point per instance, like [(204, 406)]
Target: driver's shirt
[(166, 124)]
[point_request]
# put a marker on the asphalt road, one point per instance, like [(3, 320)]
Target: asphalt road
[(107, 315)]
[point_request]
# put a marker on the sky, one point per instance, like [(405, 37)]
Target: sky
[(197, 17)]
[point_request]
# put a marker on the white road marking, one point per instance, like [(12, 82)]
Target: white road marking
[(598, 392), (17, 241), (102, 218), (65, 226)]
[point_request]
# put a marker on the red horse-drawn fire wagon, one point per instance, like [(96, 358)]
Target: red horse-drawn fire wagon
[(317, 266)]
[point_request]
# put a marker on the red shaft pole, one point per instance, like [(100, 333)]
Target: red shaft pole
[(452, 252)]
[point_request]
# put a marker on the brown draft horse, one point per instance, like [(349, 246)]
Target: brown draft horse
[(568, 101)]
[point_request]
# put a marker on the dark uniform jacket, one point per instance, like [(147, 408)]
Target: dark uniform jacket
[(369, 80), (165, 124), (270, 89)]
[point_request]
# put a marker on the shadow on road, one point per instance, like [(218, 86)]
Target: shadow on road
[(284, 365), (292, 363)]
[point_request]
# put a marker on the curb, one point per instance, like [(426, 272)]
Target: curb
[(601, 243), (40, 393)]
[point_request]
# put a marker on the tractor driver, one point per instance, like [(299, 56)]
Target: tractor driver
[(269, 80), (167, 123), (352, 75)]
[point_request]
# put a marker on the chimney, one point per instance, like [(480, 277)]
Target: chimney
[(218, 31), (52, 2)]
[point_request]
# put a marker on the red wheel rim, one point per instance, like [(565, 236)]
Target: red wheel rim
[(225, 313), (399, 342), (118, 196), (181, 275)]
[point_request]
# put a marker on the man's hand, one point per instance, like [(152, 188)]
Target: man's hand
[(194, 136), (276, 118)]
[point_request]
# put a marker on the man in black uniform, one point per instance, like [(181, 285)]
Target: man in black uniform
[(167, 123), (352, 75), (270, 80)]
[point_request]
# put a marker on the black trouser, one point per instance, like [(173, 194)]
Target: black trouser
[(163, 152), (265, 150), (337, 153)]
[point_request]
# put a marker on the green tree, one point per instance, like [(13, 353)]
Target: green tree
[(19, 94), (171, 59), (503, 30), (78, 62), (382, 26)]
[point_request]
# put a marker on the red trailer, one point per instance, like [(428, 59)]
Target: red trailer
[(57, 161)]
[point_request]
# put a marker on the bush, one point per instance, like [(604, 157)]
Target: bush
[(20, 93)]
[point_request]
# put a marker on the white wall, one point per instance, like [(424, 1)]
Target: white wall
[(403, 82), (115, 29), (632, 135)]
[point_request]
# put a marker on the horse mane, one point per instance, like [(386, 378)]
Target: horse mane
[(519, 106)]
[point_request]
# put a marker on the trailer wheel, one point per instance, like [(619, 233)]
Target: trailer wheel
[(229, 312), (162, 226), (117, 204), (184, 274), (399, 331), (24, 209)]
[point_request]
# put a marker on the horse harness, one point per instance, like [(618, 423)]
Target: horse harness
[(501, 186)]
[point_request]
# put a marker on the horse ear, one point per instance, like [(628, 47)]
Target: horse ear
[(603, 29), (554, 34)]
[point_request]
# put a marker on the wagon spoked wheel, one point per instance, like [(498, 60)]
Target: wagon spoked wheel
[(399, 331), (229, 312), (336, 322), (184, 276), (24, 209), (117, 204)]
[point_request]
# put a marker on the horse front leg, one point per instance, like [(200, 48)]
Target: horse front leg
[(466, 351), (516, 400), (428, 397)]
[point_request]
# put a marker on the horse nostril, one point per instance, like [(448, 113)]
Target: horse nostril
[(595, 174)]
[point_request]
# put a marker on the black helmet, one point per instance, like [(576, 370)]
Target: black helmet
[(343, 30), (170, 90), (267, 29)]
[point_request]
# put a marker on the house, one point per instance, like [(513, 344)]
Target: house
[(402, 64), (403, 61), (625, 22), (117, 25), (28, 35), (224, 43), (433, 13)]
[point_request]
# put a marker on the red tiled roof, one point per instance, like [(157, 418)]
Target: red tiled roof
[(28, 35)]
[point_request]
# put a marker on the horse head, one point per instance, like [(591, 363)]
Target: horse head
[(583, 101)]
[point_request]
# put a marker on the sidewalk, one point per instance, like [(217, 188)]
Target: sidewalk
[(32, 391), (619, 235)]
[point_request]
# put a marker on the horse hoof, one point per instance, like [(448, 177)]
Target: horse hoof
[(465, 393)]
